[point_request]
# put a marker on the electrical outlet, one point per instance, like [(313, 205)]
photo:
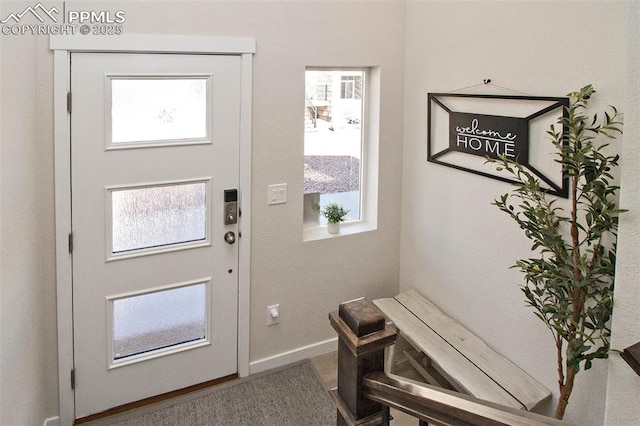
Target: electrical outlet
[(273, 314)]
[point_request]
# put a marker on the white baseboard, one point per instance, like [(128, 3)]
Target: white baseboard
[(295, 355), (52, 421)]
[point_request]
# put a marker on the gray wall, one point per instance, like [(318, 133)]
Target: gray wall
[(307, 279), (456, 247), (623, 387)]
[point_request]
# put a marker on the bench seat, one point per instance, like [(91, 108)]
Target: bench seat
[(467, 363)]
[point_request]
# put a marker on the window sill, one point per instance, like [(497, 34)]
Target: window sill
[(349, 228)]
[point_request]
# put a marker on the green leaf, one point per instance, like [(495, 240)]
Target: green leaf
[(569, 281)]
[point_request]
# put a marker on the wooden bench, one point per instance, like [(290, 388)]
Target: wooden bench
[(456, 358)]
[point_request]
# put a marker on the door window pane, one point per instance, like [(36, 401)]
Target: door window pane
[(158, 216), (158, 109), (158, 320)]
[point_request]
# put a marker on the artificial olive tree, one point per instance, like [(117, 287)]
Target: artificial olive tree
[(569, 278)]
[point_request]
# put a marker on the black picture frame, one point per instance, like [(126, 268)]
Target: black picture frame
[(463, 129)]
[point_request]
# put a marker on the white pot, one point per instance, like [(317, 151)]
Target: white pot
[(333, 228)]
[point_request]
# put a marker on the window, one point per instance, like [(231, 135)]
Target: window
[(351, 87), (146, 323), (336, 143), (157, 216), (152, 109), (321, 92)]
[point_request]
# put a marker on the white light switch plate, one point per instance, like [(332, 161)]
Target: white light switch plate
[(277, 194)]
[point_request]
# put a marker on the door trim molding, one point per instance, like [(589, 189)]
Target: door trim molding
[(153, 44), (63, 46)]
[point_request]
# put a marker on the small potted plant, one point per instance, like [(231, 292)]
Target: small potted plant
[(335, 213)]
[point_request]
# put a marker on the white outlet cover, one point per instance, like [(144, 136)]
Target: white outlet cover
[(270, 319)]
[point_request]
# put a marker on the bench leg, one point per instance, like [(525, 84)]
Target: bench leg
[(394, 354), (386, 416), (389, 359)]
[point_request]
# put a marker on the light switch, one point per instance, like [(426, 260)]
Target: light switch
[(277, 194)]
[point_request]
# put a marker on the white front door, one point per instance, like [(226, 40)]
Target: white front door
[(154, 168)]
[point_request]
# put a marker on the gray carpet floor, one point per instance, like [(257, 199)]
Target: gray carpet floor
[(293, 396)]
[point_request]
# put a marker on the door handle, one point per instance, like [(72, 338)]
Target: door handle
[(230, 237)]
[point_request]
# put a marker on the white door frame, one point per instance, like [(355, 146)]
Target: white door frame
[(63, 46)]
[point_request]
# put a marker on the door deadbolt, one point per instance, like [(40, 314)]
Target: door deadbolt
[(230, 237), (230, 206)]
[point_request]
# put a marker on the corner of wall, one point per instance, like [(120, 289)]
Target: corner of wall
[(623, 386)]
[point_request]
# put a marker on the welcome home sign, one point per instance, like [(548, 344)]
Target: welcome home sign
[(463, 130), (489, 135)]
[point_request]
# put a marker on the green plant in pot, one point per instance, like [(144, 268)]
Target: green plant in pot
[(569, 278), (335, 213)]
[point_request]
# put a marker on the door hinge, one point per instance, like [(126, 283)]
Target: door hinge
[(70, 243), (73, 378), (68, 101)]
